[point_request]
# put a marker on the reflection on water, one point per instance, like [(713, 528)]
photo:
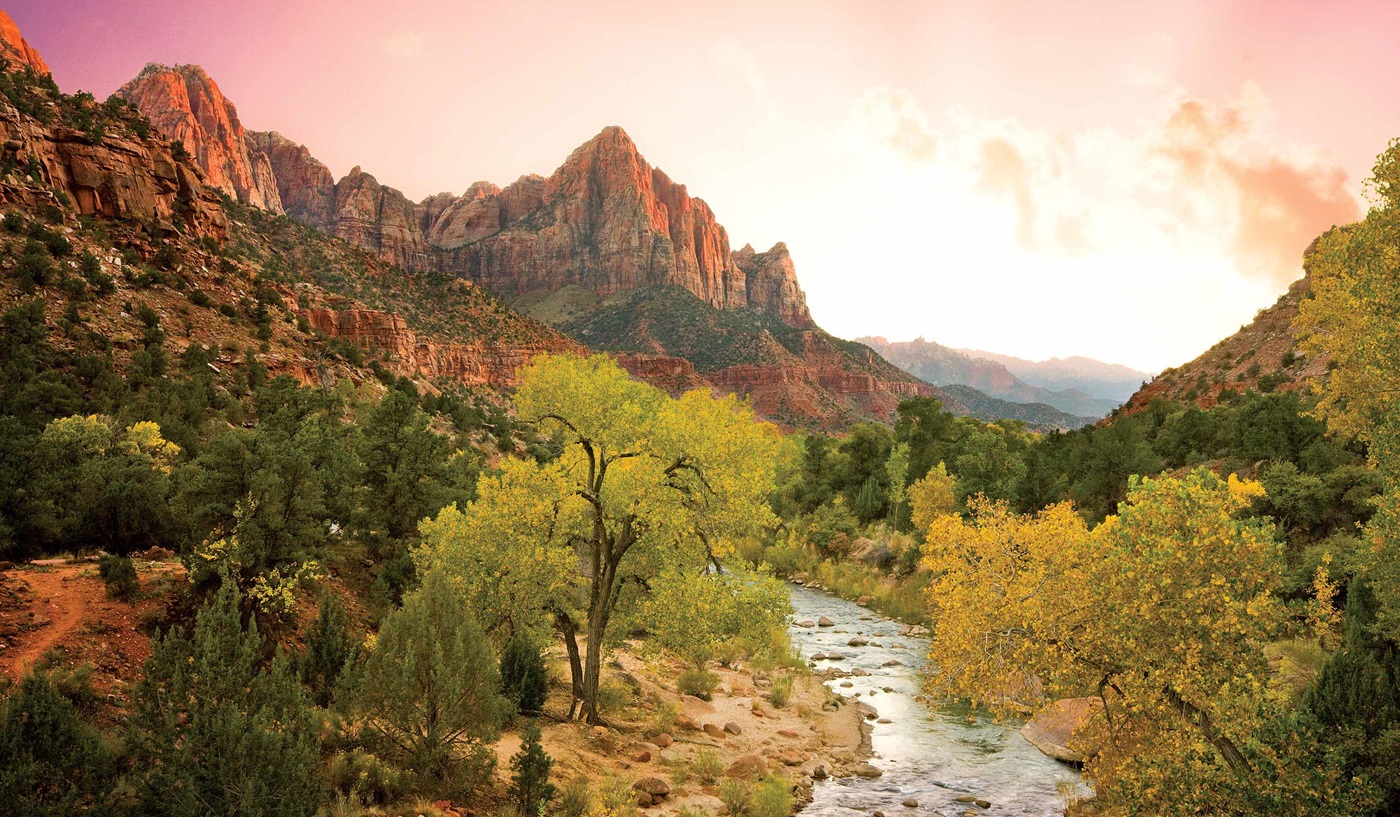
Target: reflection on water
[(931, 756)]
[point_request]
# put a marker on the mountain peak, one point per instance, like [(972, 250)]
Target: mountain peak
[(15, 48)]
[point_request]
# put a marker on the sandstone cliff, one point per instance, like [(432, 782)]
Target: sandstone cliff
[(16, 50), (186, 104)]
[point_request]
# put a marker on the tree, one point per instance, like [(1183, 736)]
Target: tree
[(429, 687), (524, 681), (529, 784), (1351, 319), (642, 481), (932, 496), (329, 647), (698, 615), (988, 466), (1162, 610), (50, 763), (214, 733)]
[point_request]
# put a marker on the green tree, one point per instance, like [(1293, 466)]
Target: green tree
[(524, 680), (989, 466), (642, 481), (429, 687), (529, 783), (329, 648), (214, 733), (50, 763)]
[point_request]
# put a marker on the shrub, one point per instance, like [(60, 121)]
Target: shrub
[(430, 686), (781, 691), (57, 245), (772, 798), (576, 799), (529, 783), (523, 679), (329, 646), (698, 682), (707, 767), (200, 298), (617, 798), (365, 778), (119, 575), (736, 797), (13, 222), (50, 763)]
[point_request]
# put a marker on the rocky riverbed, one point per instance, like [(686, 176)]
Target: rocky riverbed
[(926, 760)]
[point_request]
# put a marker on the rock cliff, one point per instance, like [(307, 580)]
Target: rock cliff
[(16, 50), (186, 104)]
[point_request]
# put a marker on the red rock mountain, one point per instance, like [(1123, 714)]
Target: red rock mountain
[(605, 225), (16, 50), (185, 104)]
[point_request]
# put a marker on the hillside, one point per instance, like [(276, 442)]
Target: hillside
[(1262, 356), (1036, 415), (944, 366)]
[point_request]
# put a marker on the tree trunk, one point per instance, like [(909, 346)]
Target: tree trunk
[(569, 629), (598, 612)]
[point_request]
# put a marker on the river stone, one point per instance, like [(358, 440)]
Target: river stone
[(1053, 728), (910, 802), (825, 622), (846, 684), (857, 642), (791, 757), (893, 662), (884, 720), (866, 770), (806, 623), (820, 772), (746, 766)]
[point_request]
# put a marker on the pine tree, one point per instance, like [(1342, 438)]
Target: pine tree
[(523, 679), (213, 733), (329, 646), (529, 783), (50, 763)]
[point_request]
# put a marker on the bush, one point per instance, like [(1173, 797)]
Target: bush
[(529, 783), (698, 682), (365, 778), (119, 575), (523, 679), (736, 797), (781, 691), (200, 298), (329, 647), (772, 798), (707, 767), (50, 763), (576, 800), (13, 222)]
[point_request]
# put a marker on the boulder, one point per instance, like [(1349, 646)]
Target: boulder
[(1054, 728), (655, 787), (746, 766), (825, 622), (733, 728), (662, 740), (866, 771), (714, 730)]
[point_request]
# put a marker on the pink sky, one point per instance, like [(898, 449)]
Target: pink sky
[(1126, 182)]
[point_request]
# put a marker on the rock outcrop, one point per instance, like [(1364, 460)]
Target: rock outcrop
[(770, 279), (184, 103), (1059, 730), (116, 177), (304, 185), (485, 363), (16, 50)]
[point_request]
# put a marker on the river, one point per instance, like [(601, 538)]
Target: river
[(928, 754)]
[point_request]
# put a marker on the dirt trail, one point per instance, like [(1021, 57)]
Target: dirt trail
[(59, 594)]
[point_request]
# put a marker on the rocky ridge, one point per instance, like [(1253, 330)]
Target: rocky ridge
[(16, 50)]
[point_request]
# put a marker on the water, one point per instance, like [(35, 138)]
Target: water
[(928, 754)]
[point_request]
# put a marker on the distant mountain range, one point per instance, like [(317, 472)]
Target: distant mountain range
[(1084, 388)]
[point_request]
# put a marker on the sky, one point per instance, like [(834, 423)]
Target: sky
[(1125, 181)]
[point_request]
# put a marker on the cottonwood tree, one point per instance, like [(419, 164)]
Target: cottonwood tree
[(1162, 611), (642, 482)]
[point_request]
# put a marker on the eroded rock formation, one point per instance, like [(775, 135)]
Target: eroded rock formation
[(16, 50)]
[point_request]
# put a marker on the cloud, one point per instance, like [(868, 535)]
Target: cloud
[(405, 45), (1281, 198), (893, 119), (1004, 172), (728, 55)]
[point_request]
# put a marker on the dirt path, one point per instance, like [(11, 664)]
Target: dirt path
[(60, 595)]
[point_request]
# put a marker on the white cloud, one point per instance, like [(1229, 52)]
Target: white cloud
[(728, 55), (893, 119)]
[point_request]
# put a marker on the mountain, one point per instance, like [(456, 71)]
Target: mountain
[(1038, 416), (1262, 356), (600, 249), (1107, 381), (944, 366), (121, 224), (16, 50)]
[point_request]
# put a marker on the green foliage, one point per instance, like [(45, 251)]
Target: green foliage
[(701, 615), (781, 691), (772, 797), (736, 796), (429, 685), (576, 798), (213, 732), (119, 575), (365, 778), (50, 762), (524, 681), (707, 767), (529, 782), (330, 647), (698, 682)]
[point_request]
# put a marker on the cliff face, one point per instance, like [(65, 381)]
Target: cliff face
[(16, 50), (119, 177), (186, 104)]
